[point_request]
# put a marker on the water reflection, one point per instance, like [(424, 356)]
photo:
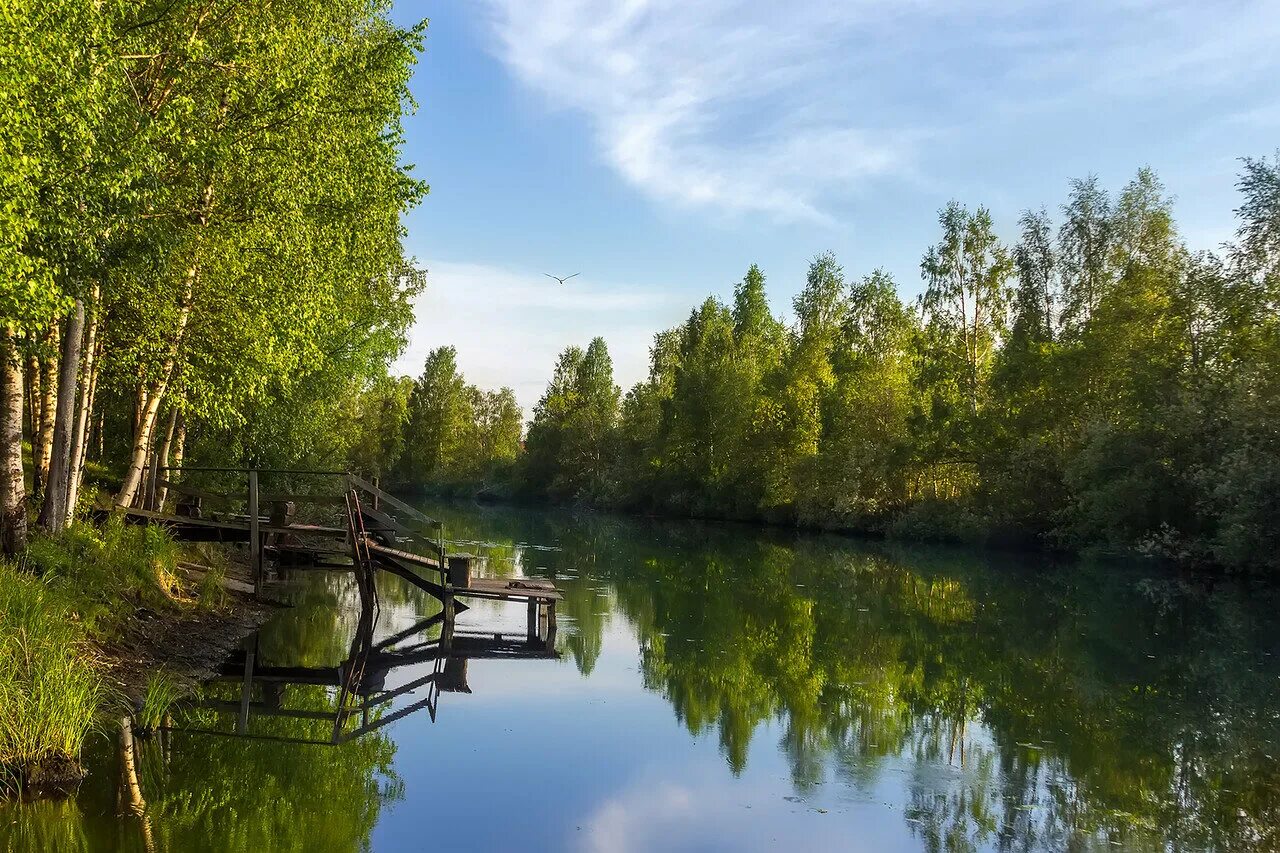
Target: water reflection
[(362, 691), (1062, 707), (720, 688)]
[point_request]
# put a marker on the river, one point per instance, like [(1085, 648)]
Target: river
[(723, 687)]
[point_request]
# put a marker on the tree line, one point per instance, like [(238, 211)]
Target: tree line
[(436, 430), (1097, 385), (200, 240)]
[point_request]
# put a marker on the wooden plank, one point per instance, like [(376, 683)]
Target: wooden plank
[(418, 581), (312, 529), (299, 552), (407, 556), (524, 588), (499, 588), (393, 501), (389, 524)]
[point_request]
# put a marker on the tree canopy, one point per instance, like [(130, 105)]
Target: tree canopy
[(1096, 385), (216, 187)]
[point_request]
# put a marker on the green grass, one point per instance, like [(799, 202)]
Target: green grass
[(213, 595), (67, 596), (50, 689), (163, 690), (109, 572)]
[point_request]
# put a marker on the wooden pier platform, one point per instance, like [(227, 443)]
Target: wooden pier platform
[(376, 528), (219, 529), (539, 595)]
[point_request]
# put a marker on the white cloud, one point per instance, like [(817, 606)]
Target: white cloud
[(684, 96), (692, 807), (756, 106), (509, 326)]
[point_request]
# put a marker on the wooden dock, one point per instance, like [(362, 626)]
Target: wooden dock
[(376, 534)]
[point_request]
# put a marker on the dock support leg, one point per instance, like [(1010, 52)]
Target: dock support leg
[(255, 539), (533, 619), (246, 686)]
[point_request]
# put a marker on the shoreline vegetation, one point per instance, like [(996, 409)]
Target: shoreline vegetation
[(1097, 387), (100, 621), (201, 262)]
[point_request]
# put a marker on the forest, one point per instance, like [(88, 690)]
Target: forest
[(200, 259), (1096, 385), (202, 256), (200, 241)]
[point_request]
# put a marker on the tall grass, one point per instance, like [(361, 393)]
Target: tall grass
[(110, 571), (163, 690), (71, 592), (49, 687)]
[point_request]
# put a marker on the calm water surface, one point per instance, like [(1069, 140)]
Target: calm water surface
[(723, 688)]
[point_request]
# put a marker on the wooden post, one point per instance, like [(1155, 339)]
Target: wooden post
[(444, 557), (459, 571), (246, 686), (149, 502), (533, 619), (255, 540)]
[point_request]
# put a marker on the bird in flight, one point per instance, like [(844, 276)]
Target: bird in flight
[(558, 278)]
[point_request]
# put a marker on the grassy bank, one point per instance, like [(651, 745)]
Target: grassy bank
[(64, 604)]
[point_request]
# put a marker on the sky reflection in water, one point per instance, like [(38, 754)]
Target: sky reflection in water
[(724, 688)]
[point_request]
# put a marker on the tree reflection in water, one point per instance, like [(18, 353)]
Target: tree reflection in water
[(1068, 705), (1007, 706), (281, 751)]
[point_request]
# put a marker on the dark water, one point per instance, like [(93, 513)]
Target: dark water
[(724, 688)]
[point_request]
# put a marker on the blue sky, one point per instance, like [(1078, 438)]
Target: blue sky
[(659, 147)]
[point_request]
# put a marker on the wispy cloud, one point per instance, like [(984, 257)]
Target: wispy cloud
[(685, 97), (785, 109)]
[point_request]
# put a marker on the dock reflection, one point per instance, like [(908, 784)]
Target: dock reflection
[(363, 692)]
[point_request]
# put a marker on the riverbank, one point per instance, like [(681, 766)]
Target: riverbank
[(96, 622), (924, 523)]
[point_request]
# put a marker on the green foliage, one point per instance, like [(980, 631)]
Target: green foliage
[(221, 183), (441, 432), (162, 691), (109, 571), (210, 591), (571, 437), (49, 687), (1097, 387)]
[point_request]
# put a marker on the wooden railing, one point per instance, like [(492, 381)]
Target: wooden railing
[(393, 516)]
